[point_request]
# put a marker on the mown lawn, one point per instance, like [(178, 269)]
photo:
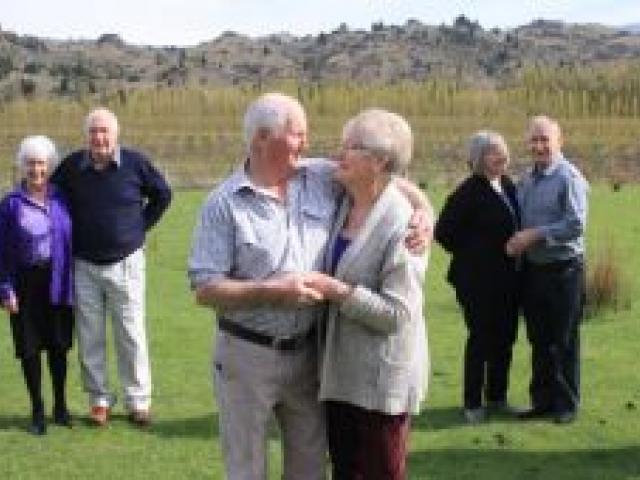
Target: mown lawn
[(183, 442)]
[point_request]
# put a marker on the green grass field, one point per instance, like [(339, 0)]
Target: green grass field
[(183, 442)]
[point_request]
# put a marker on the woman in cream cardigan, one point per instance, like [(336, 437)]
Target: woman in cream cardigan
[(375, 361)]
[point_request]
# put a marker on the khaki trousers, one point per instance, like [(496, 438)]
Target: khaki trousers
[(253, 383), (116, 290)]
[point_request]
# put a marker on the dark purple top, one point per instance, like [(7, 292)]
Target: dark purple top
[(339, 247), (30, 234)]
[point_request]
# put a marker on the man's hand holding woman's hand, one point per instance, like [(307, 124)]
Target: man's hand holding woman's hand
[(521, 241), (419, 232)]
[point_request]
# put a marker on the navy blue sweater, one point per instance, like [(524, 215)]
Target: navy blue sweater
[(111, 209)]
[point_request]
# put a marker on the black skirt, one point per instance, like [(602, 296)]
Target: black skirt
[(38, 325)]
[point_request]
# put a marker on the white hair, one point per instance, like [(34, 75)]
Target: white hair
[(271, 112), (37, 146), (480, 143), (385, 134), (104, 113), (542, 121)]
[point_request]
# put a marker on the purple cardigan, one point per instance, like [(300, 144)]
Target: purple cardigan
[(12, 245)]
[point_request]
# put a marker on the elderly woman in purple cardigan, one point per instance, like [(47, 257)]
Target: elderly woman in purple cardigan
[(35, 276)]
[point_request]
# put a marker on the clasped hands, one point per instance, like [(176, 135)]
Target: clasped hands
[(307, 288), (419, 232)]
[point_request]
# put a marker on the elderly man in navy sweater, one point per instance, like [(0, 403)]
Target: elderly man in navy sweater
[(115, 196)]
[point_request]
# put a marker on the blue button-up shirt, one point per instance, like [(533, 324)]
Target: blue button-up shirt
[(554, 201), (246, 234)]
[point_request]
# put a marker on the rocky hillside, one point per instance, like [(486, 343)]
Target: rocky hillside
[(464, 51)]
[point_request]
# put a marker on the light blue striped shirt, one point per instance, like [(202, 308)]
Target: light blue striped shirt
[(554, 200), (245, 234)]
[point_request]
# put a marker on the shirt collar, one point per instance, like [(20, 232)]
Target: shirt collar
[(86, 161), (241, 179), (24, 195), (549, 169)]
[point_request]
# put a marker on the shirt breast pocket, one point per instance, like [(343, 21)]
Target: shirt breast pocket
[(550, 200), (319, 213), (257, 253)]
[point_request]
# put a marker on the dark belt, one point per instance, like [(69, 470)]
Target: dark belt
[(284, 344)]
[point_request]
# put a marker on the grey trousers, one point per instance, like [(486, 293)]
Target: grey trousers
[(116, 290), (254, 383)]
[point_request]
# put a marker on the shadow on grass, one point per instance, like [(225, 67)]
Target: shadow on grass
[(14, 422), (438, 419), (615, 463), (203, 426)]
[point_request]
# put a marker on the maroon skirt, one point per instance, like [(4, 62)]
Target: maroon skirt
[(38, 325), (366, 444)]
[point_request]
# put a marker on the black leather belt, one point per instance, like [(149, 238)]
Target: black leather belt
[(284, 344)]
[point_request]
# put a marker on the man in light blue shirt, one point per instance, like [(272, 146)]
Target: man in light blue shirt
[(553, 200)]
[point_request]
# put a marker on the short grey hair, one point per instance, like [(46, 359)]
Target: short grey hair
[(37, 146), (480, 143), (271, 112), (540, 120), (101, 112), (385, 134)]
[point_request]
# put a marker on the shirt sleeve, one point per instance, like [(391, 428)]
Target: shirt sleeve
[(325, 169), (157, 193), (7, 284), (573, 221), (450, 231), (213, 243)]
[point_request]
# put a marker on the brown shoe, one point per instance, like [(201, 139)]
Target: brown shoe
[(140, 418), (99, 415)]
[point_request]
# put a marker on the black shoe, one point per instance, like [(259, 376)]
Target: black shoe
[(62, 417), (563, 418), (502, 407), (37, 426), (534, 413)]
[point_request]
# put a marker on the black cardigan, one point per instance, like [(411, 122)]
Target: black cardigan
[(474, 226)]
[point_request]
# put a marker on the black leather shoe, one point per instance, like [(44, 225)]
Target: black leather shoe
[(563, 418), (62, 417), (37, 426), (534, 413), (502, 407)]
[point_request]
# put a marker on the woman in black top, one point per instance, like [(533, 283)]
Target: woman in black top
[(475, 223)]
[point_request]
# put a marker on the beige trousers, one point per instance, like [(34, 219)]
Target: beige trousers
[(116, 290), (255, 383)]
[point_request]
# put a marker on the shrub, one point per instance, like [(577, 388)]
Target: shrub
[(605, 280)]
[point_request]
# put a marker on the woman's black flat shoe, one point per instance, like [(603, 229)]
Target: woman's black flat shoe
[(63, 418), (37, 427)]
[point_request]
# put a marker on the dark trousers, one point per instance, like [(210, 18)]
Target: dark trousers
[(365, 444), (553, 302), (32, 371), (492, 322)]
